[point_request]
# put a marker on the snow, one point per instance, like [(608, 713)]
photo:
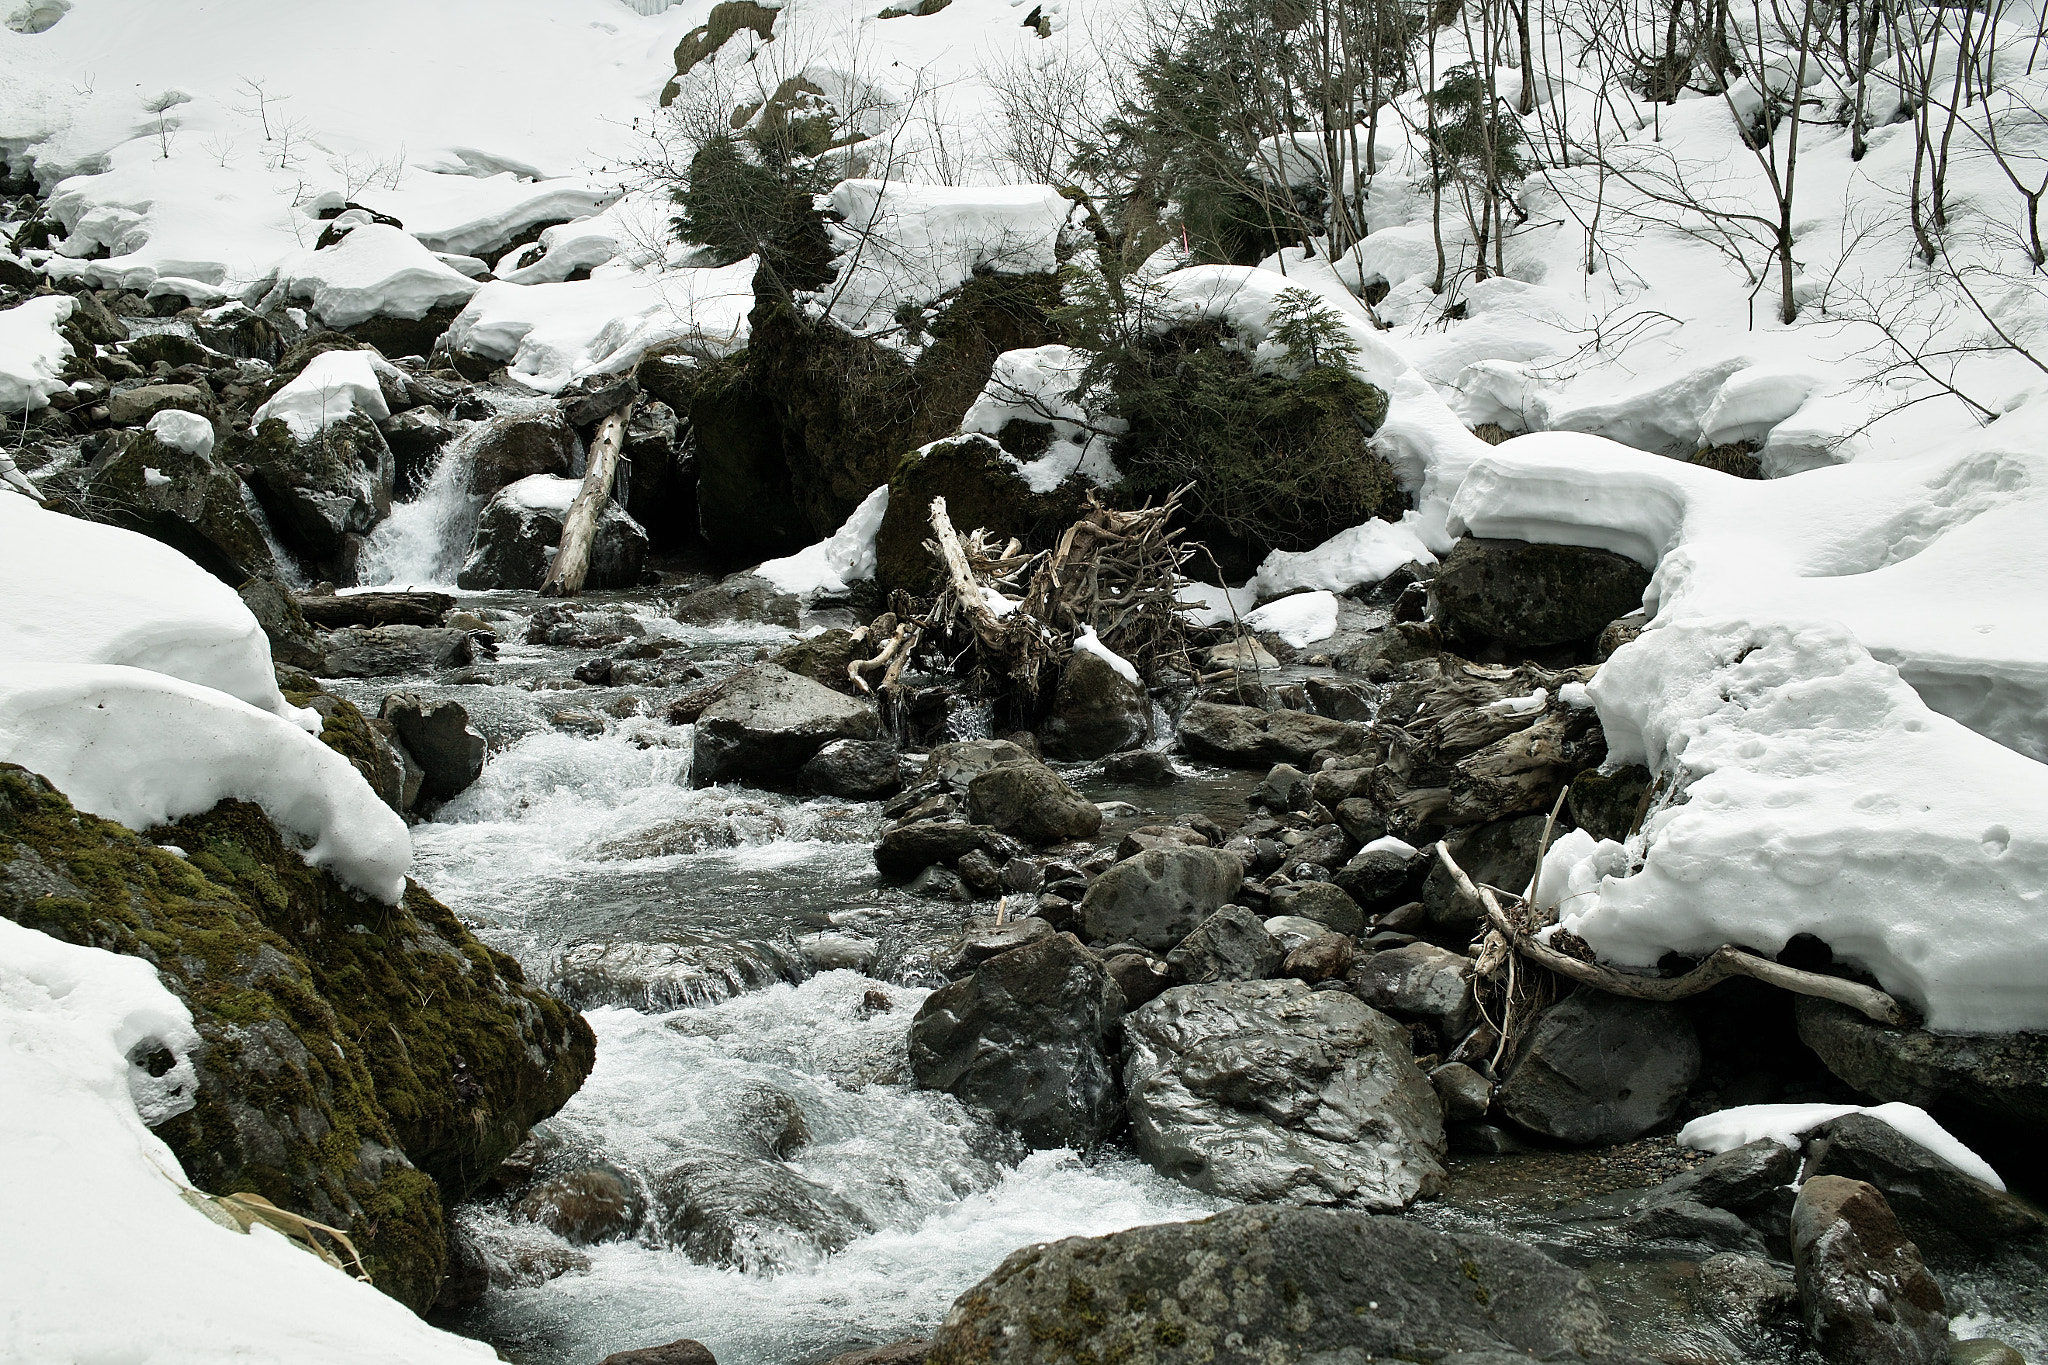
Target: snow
[(32, 351), (541, 493), (333, 385), (1787, 1124), (94, 1199), (1037, 385), (143, 748), (1388, 843), (1088, 642), (830, 567), (375, 270), (1365, 553), (1205, 604), (186, 431), (1300, 620)]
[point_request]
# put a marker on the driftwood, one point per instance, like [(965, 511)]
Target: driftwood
[(1720, 965), (579, 529)]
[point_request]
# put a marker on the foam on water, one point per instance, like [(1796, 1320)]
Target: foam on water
[(423, 542)]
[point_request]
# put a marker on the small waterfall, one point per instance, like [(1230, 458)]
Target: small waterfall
[(423, 542), (288, 571)]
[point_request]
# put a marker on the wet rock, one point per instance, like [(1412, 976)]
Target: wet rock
[(750, 1213), (979, 945), (1502, 854), (1600, 1069), (857, 769), (1377, 877), (742, 597), (1466, 1094), (1324, 903), (980, 872), (1144, 768), (519, 530), (908, 1352), (411, 777), (1095, 710), (319, 491), (585, 1207), (953, 765), (1684, 1227), (1246, 737), (683, 1352), (1291, 931), (823, 658), (1157, 898), (292, 641), (381, 651), (517, 445), (1865, 1295), (831, 951), (1749, 1293), (1267, 1091), (1031, 801), (1158, 836), (1528, 596), (1940, 1207), (1280, 1286), (1230, 945), (338, 610), (773, 1119), (1421, 982), (1022, 1038), (768, 723), (1607, 805), (940, 884), (1138, 977), (595, 397), (416, 439), (1749, 1180), (1286, 788), (1984, 1351), (438, 734), (908, 849), (1326, 957)]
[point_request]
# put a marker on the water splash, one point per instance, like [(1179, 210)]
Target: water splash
[(423, 542)]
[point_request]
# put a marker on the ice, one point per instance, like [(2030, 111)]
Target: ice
[(333, 385), (1089, 642), (1787, 1124), (842, 559), (1300, 620), (81, 1161), (32, 351), (375, 270), (186, 431)]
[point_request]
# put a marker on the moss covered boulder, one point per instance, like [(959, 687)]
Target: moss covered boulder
[(321, 491), (365, 1065), (981, 490), (185, 500)]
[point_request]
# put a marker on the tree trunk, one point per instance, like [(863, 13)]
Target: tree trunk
[(579, 529)]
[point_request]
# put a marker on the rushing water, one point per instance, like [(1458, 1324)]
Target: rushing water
[(423, 542)]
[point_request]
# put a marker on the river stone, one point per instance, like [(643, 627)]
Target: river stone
[(1685, 1227), (910, 1351), (438, 734), (584, 1207), (1096, 710), (1247, 737), (516, 541), (1143, 768), (961, 761), (1157, 898), (1325, 903), (1749, 1293), (768, 723), (1421, 982), (1996, 1081), (908, 849), (1139, 978), (1750, 1180), (979, 945), (741, 597), (858, 769), (1032, 802), (1158, 836), (320, 490), (1326, 957), (1501, 854), (1022, 1038), (1376, 878), (683, 1352), (1230, 945), (135, 406), (1528, 596), (1866, 1296), (380, 651), (1939, 1206), (1600, 1069), (1466, 1094), (1269, 1092), (514, 445), (750, 1213)]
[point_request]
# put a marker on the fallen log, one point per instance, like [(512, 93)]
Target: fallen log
[(579, 529)]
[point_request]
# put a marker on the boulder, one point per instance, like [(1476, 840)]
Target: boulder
[(982, 490), (750, 1213), (1286, 788), (519, 530), (1277, 1286), (858, 769), (979, 945), (1466, 1094), (181, 498), (741, 597), (1032, 802), (1941, 1208), (1597, 1068), (1501, 854), (320, 490), (1865, 1295), (958, 763), (583, 1208), (517, 445), (1246, 737), (768, 723), (1143, 768), (1748, 1293), (1158, 836), (381, 651), (823, 658), (1095, 710), (1420, 982), (908, 849), (1685, 1228), (1230, 945), (1378, 878), (1022, 1038), (1269, 1092), (1324, 903), (1528, 596), (417, 438), (1326, 957), (682, 1352), (449, 750), (1157, 898)]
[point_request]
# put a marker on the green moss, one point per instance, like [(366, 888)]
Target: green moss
[(726, 18), (980, 491)]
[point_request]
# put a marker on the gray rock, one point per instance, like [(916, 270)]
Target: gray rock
[(1528, 595), (595, 397), (292, 641), (959, 762), (753, 1214), (910, 1351), (1095, 711), (135, 406), (1138, 978), (768, 723), (1022, 1038), (1230, 945), (979, 945), (1940, 1207), (1031, 801), (1356, 815), (1147, 837), (515, 542), (1984, 1351), (1685, 1227), (517, 445), (858, 769), (1279, 1286), (832, 951), (1268, 1092), (1501, 854), (1326, 957), (1291, 931), (1286, 788), (940, 884), (1144, 768), (1420, 982), (1325, 903), (381, 651), (742, 597), (1343, 699), (1749, 1180), (1607, 805), (584, 1207), (1157, 898), (1246, 737), (1865, 1295), (1466, 1094), (319, 491), (438, 734), (1375, 878), (681, 1352), (1748, 1293), (907, 849), (1600, 1069)]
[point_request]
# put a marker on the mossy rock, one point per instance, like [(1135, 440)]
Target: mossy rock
[(726, 18), (195, 506), (981, 491), (406, 336), (364, 1065)]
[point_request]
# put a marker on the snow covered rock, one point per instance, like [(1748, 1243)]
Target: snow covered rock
[(374, 271), (32, 353), (1096, 710), (180, 497), (1269, 1092), (519, 530), (186, 431), (1599, 1069), (830, 567), (1942, 1207), (1999, 1083)]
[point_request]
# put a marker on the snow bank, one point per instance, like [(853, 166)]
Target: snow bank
[(1788, 1123), (1036, 385), (1361, 554), (374, 271), (901, 243), (94, 1199), (1300, 619), (186, 431), (333, 385), (32, 351), (845, 557), (144, 748), (82, 593)]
